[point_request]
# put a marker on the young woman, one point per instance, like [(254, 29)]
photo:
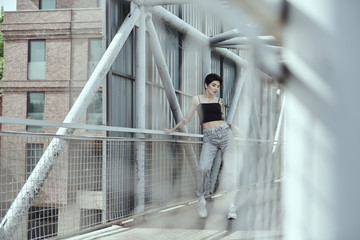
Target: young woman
[(217, 135)]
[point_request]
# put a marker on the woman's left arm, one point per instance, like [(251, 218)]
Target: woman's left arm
[(187, 117)]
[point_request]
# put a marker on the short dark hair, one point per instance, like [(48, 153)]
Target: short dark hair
[(212, 77)]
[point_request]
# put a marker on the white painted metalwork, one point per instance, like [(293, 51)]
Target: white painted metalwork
[(113, 204), (164, 72), (140, 93), (321, 192), (186, 28), (235, 99), (179, 24), (279, 127), (233, 33), (244, 41), (169, 89), (72, 192), (22, 202), (21, 121)]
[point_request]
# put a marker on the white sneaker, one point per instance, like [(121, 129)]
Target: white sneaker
[(202, 207), (232, 215)]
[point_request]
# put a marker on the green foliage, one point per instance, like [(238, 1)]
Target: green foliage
[(1, 45), (2, 14)]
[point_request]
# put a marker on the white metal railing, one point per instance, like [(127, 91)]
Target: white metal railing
[(93, 182)]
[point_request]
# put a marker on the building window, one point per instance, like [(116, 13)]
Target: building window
[(47, 4), (90, 217), (35, 109), (95, 53), (99, 3), (43, 222), (36, 64), (94, 111), (34, 152)]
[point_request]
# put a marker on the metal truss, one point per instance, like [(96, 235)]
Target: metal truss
[(140, 19)]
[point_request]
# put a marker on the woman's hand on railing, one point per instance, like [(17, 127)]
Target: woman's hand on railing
[(168, 131)]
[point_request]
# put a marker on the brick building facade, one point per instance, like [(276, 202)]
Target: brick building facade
[(65, 35)]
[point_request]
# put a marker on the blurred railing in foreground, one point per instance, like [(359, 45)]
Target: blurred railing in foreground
[(98, 180)]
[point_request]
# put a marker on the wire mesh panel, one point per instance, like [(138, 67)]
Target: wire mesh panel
[(19, 156), (93, 181), (120, 179), (259, 192)]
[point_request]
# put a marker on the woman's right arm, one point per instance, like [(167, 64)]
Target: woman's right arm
[(187, 117)]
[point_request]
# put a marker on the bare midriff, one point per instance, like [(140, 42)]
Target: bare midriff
[(212, 124)]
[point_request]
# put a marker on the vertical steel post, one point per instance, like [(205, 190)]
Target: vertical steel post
[(33, 184), (140, 90), (104, 118), (279, 126)]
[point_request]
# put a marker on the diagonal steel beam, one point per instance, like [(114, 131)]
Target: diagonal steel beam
[(235, 99), (185, 28), (33, 184), (233, 33), (169, 88)]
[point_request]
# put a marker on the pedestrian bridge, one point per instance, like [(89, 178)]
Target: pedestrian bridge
[(182, 222), (102, 182), (108, 183)]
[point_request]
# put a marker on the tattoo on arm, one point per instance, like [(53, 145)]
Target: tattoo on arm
[(183, 122), (222, 108)]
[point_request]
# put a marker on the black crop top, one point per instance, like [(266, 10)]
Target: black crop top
[(209, 112)]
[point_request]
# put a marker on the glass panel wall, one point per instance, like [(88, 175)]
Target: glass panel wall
[(120, 97), (120, 107)]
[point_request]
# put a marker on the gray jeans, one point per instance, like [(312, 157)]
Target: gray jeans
[(214, 140)]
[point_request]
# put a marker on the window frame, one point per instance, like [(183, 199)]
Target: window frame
[(42, 222), (32, 156), (90, 51), (29, 127), (41, 5), (98, 96), (30, 54)]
